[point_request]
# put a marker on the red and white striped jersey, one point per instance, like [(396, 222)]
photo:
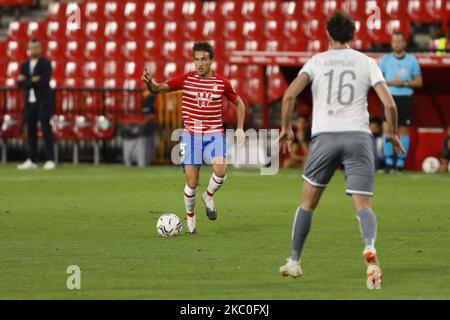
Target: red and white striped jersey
[(202, 101)]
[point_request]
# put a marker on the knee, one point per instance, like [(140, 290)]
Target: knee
[(221, 171), (308, 205), (192, 182)]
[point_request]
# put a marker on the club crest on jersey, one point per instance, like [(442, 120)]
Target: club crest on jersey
[(204, 98)]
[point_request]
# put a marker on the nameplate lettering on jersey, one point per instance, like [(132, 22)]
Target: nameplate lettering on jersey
[(340, 63)]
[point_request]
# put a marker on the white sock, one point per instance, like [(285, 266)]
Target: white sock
[(189, 200), (215, 183)]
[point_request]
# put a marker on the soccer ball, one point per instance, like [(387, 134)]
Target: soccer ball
[(169, 225), (430, 165)]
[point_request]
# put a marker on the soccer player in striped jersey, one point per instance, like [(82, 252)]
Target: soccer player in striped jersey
[(203, 139)]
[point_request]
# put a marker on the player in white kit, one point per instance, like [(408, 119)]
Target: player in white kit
[(341, 78)]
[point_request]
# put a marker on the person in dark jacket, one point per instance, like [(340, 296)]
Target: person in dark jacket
[(34, 79)]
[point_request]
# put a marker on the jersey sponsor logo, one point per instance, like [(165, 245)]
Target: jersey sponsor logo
[(204, 98)]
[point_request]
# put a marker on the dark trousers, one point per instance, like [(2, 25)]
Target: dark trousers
[(33, 114)]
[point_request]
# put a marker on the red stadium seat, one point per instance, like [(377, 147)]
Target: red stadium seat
[(153, 30), (312, 9), (172, 69), (417, 11), (192, 10), (92, 69), (171, 51), (152, 50), (314, 29), (112, 50), (252, 9), (74, 70), (382, 31), (74, 50), (330, 6), (255, 90), (211, 10), (36, 29), (187, 50), (93, 82), (132, 50), (132, 70), (291, 10), (231, 10), (316, 45), (231, 45), (273, 30), (74, 34), (62, 127), (233, 70), (93, 50), (93, 10), (172, 30), (132, 30), (93, 30), (253, 30), (16, 50), (56, 11), (253, 45), (273, 45), (13, 69), (70, 82), (211, 30), (232, 29), (396, 9), (114, 10), (17, 30), (156, 69), (55, 30), (172, 10), (437, 9), (58, 69), (132, 11), (152, 10), (372, 6), (362, 44), (11, 126), (354, 8), (271, 9), (113, 30), (192, 30), (276, 83)]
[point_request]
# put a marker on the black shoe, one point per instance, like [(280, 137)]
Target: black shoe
[(211, 211)]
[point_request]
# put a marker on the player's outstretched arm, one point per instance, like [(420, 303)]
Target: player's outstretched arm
[(152, 86), (240, 120), (288, 103), (390, 110)]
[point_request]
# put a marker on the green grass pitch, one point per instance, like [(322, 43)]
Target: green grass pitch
[(103, 220)]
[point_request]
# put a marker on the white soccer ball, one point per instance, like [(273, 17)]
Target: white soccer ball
[(169, 225), (430, 165)]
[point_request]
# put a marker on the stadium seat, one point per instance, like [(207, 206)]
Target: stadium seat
[(373, 6), (112, 50), (211, 30), (192, 30), (73, 70), (132, 70), (354, 8), (55, 30), (385, 28), (74, 34), (171, 51), (253, 45), (396, 9), (153, 30), (62, 127), (172, 69), (437, 9), (273, 29), (314, 29), (232, 29), (312, 9), (192, 10), (56, 11), (330, 6), (276, 83), (11, 126), (231, 10), (271, 9), (93, 30), (251, 10), (93, 10), (152, 10), (132, 30), (17, 30), (291, 10), (74, 50), (253, 30), (255, 90), (104, 127), (58, 69), (172, 10), (93, 50), (172, 30), (113, 30), (133, 10), (16, 50), (274, 45), (92, 69), (317, 45), (187, 50), (417, 11), (211, 10), (362, 44), (93, 82), (132, 50), (36, 29), (152, 50), (114, 10)]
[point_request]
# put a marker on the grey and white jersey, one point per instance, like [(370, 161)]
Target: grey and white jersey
[(341, 80)]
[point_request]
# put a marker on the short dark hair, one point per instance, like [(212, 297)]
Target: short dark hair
[(204, 46), (341, 27), (399, 33), (34, 40)]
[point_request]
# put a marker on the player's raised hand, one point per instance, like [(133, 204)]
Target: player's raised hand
[(285, 139), (146, 76), (240, 136), (396, 144)]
